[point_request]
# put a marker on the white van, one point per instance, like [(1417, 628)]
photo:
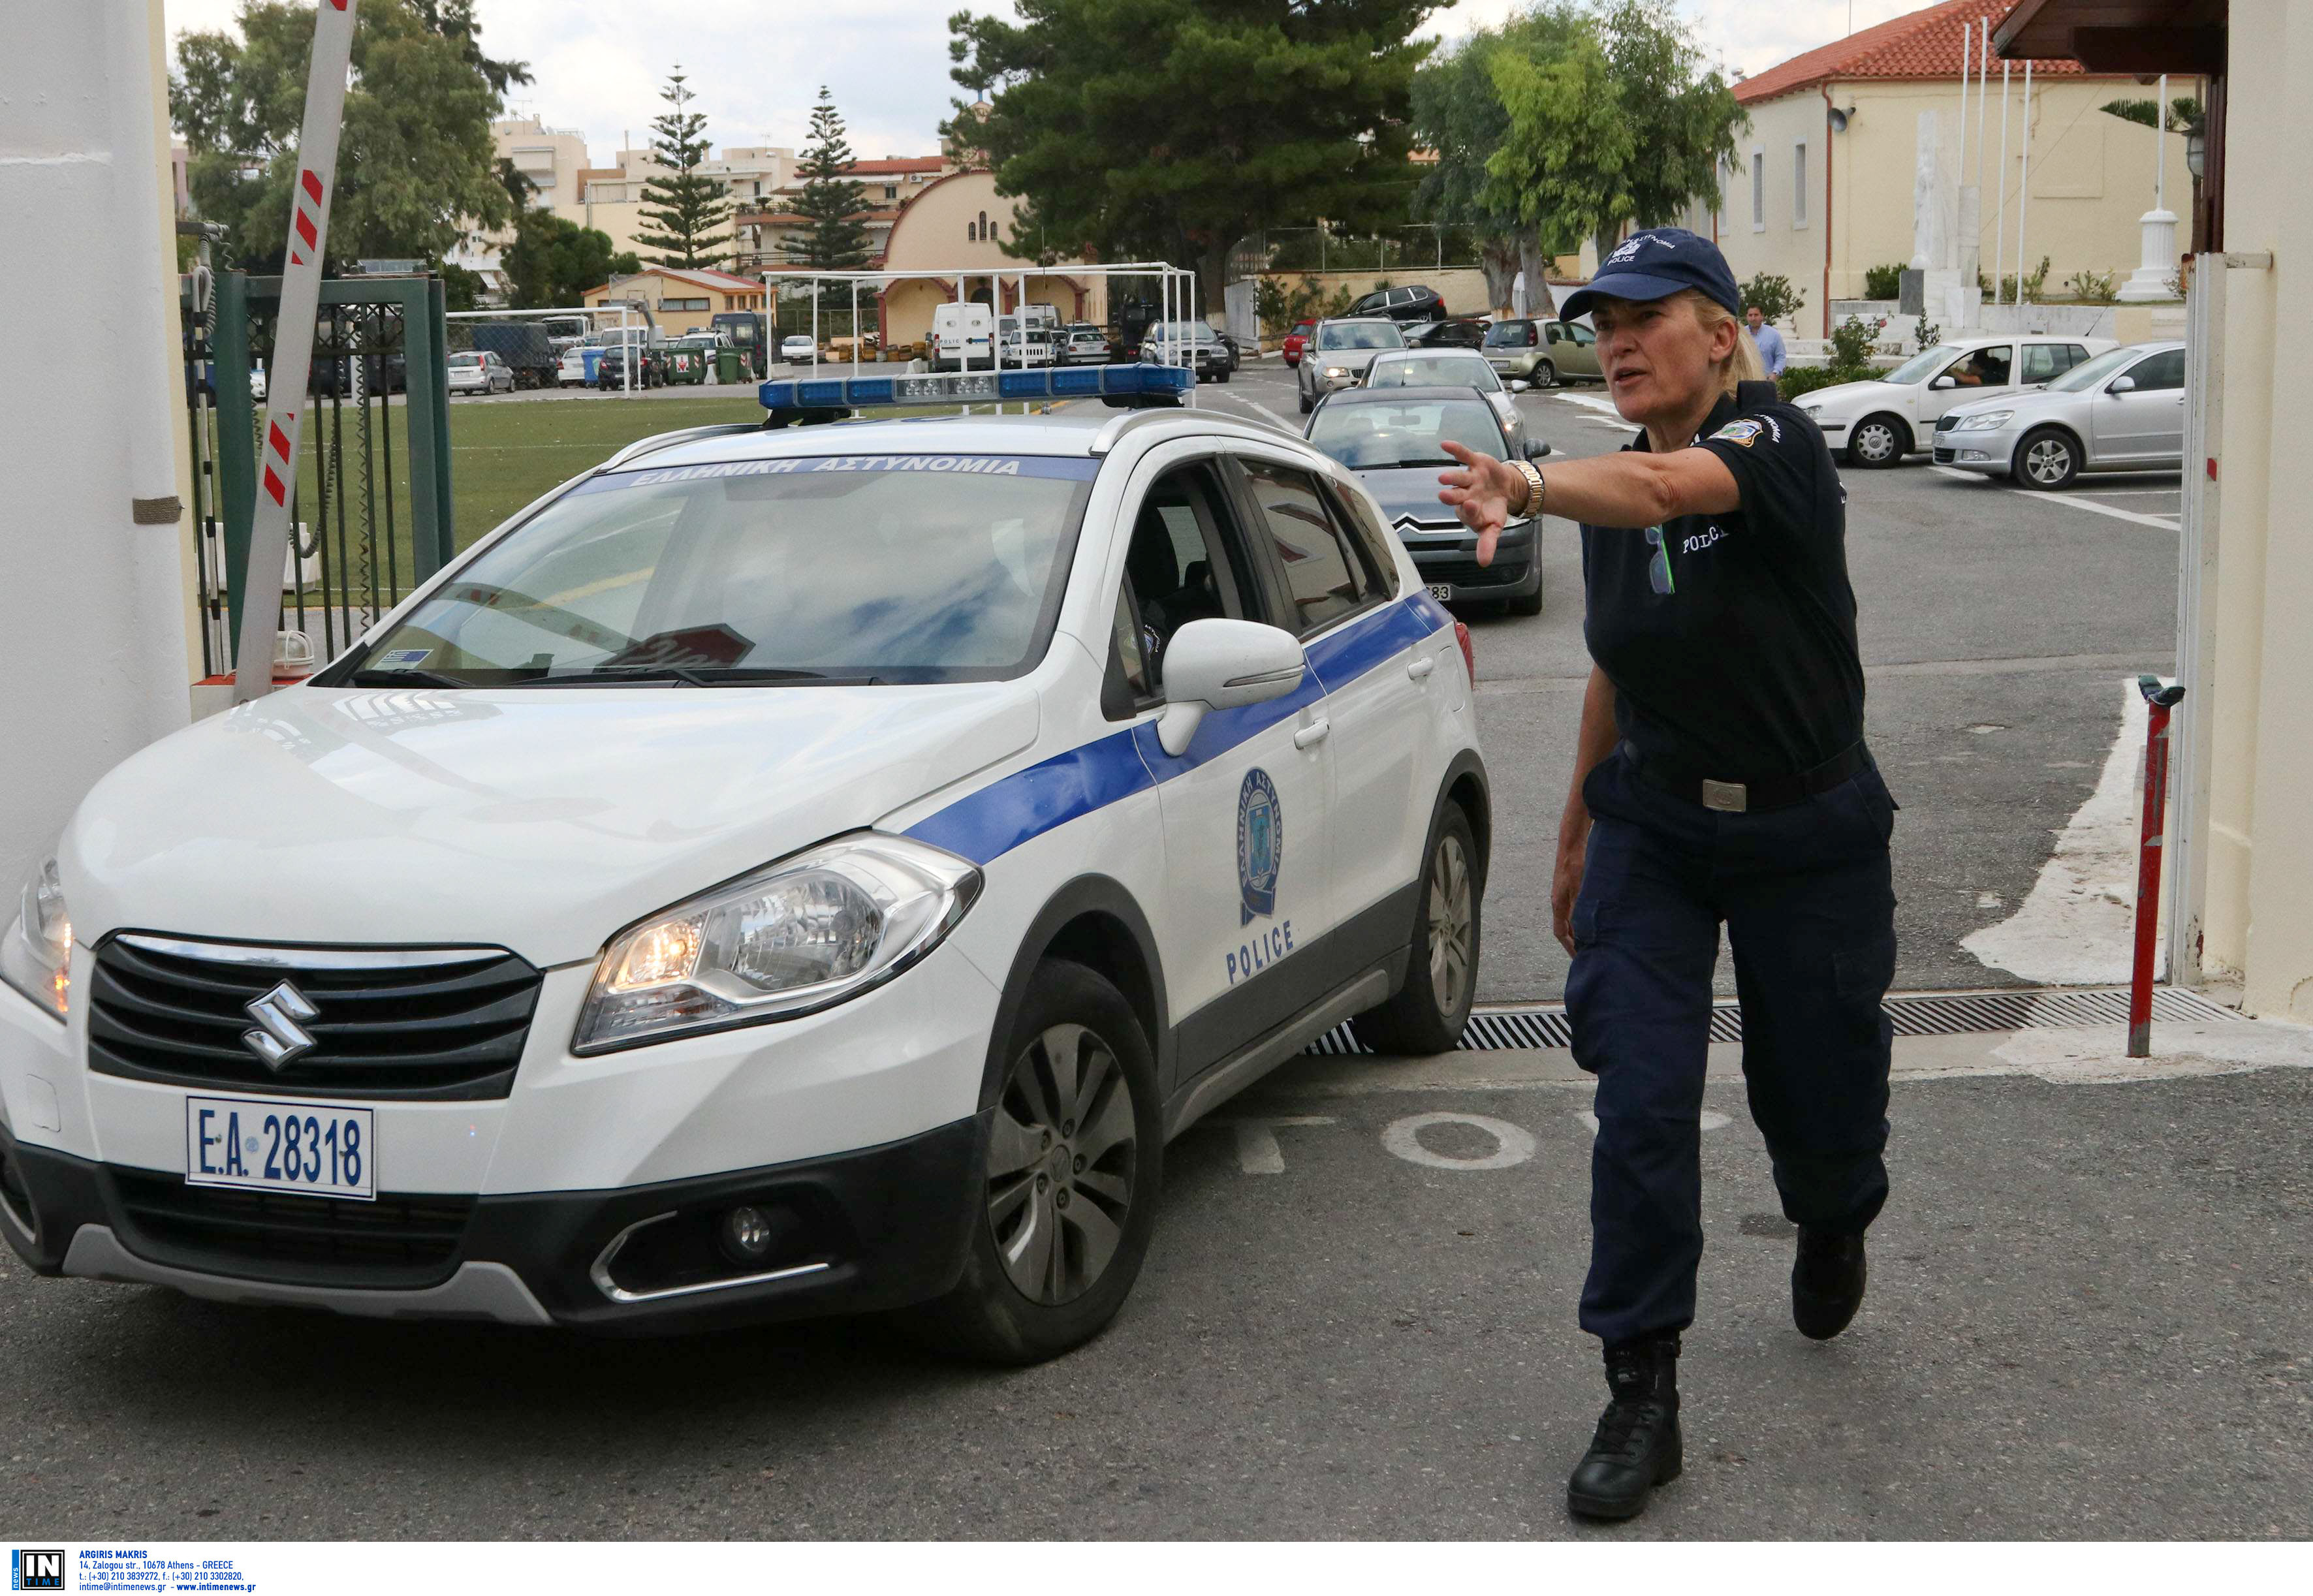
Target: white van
[(963, 334)]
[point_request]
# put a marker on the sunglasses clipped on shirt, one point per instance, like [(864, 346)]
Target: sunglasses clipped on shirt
[(1658, 575)]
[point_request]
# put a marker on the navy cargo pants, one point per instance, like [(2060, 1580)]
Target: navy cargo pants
[(1805, 893)]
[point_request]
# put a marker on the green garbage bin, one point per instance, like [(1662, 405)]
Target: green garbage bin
[(729, 365)]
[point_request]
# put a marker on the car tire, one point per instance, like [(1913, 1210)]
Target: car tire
[(1526, 604), (2048, 460), (1030, 1294), (1878, 443), (1428, 1013), (1307, 403), (1226, 373)]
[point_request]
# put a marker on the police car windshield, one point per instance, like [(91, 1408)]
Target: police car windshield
[(1360, 334), (1924, 365), (1369, 436), (2090, 373), (844, 568)]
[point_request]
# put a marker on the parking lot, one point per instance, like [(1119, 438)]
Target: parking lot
[(2088, 1295)]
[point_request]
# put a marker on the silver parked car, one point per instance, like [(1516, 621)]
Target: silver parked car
[(1338, 353), (2123, 411), (1452, 368)]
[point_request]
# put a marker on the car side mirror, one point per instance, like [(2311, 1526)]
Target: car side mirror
[(1518, 387), (1945, 382), (1536, 448), (2121, 384), (1223, 665)]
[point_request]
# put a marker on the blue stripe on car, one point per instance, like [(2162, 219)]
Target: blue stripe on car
[(990, 823)]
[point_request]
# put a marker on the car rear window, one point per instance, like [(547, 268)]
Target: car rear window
[(898, 568)]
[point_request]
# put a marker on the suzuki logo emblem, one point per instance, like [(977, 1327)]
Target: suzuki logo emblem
[(279, 1039)]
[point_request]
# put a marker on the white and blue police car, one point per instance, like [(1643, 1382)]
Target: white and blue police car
[(787, 870)]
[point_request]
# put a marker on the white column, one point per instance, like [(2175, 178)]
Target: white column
[(2157, 259)]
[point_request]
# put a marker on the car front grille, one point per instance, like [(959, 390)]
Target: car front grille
[(1944, 454), (397, 1023), (1469, 573), (396, 1242)]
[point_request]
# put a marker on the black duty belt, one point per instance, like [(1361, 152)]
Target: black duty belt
[(1737, 797)]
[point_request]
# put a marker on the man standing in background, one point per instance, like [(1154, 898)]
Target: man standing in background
[(1770, 341)]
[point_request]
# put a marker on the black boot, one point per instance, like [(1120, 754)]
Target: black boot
[(1637, 1446), (1826, 1283)]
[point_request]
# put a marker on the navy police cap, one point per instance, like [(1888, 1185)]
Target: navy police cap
[(1656, 264)]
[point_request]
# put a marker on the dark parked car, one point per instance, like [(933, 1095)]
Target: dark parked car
[(384, 373), (612, 370), (1408, 307), (1455, 332), (1391, 438)]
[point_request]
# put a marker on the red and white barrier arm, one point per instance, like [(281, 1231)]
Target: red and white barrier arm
[(293, 348)]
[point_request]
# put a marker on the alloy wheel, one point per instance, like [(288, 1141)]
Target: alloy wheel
[(1062, 1162), (2048, 461), (1449, 923)]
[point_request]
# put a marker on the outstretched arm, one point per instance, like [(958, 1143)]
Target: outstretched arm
[(1630, 489)]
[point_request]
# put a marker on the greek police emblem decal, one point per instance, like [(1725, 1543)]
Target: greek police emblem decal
[(1259, 843)]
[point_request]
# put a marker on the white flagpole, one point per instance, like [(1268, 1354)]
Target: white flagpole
[(1999, 187), (1960, 159), (2024, 184), (293, 347)]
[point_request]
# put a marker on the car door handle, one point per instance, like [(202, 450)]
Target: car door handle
[(1418, 668), (1310, 736)]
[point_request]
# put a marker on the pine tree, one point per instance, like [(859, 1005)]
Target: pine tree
[(690, 213), (833, 239)]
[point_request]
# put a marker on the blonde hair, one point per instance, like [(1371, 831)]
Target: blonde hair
[(1743, 365)]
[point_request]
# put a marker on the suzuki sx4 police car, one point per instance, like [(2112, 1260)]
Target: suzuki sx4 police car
[(782, 872)]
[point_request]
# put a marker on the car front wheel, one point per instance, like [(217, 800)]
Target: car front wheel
[(2048, 460), (1067, 1193), (1545, 375), (1878, 441), (1427, 1014)]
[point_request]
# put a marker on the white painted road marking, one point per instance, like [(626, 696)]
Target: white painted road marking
[(1512, 1146), (2166, 524), (1257, 1151), (2073, 927)]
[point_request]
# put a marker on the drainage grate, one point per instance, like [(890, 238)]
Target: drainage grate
[(1919, 1013)]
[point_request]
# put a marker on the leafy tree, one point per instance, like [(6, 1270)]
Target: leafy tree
[(1170, 129), (834, 237), (1779, 300), (1609, 120), (1458, 113), (689, 211), (461, 290), (2185, 113), (553, 261), (1883, 282), (415, 166)]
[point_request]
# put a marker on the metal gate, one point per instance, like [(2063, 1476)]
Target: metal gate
[(1244, 312), (371, 517)]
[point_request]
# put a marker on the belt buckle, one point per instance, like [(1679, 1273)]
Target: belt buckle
[(1731, 796)]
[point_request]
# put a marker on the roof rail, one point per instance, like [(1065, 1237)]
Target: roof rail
[(1109, 436), (658, 441)]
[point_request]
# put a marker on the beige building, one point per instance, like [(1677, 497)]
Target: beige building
[(2240, 852), (679, 300), (1822, 198), (957, 224), (767, 226)]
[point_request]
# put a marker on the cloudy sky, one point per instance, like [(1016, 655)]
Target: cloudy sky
[(757, 64)]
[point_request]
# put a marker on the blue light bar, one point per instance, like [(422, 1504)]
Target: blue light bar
[(797, 395)]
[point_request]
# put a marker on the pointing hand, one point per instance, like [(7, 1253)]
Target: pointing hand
[(1481, 494)]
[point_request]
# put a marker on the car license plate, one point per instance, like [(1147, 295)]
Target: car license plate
[(1443, 591), (315, 1149)]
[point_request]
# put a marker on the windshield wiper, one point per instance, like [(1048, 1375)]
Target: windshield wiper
[(398, 677), (702, 676)]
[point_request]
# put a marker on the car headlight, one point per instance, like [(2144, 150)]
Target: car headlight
[(36, 953), (787, 939), (1983, 423), (1337, 370)]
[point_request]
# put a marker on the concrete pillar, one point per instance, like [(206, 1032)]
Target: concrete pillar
[(2156, 263), (95, 537)]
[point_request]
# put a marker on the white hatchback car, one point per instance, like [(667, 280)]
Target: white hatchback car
[(780, 872), (1879, 421)]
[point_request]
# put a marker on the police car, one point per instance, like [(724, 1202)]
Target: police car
[(785, 871)]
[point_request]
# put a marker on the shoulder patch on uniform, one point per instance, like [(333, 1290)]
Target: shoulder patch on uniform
[(1744, 431)]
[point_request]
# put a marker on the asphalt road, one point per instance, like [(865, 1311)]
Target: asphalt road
[(1996, 625), (2086, 1320)]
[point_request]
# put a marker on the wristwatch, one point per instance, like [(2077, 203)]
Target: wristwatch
[(1525, 467)]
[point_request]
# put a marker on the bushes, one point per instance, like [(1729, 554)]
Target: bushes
[(1280, 307), (2095, 287), (1851, 343), (1797, 379), (1777, 300), (1883, 282)]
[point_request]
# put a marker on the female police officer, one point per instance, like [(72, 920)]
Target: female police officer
[(1721, 775)]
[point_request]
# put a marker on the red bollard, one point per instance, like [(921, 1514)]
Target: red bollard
[(2160, 700)]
